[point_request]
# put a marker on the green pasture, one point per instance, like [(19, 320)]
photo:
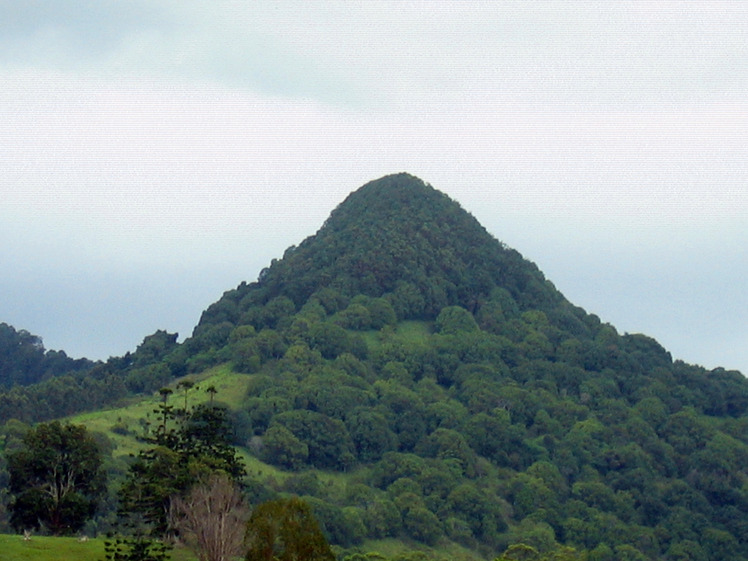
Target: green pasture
[(45, 548), (411, 333), (124, 424)]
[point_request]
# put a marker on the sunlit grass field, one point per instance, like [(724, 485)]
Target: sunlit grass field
[(43, 548), (123, 424), (411, 333)]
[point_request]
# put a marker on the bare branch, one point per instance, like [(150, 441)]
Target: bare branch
[(212, 518)]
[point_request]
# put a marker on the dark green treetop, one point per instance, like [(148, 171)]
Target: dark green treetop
[(56, 478)]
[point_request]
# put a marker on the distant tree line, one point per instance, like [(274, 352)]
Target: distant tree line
[(39, 385), (24, 361)]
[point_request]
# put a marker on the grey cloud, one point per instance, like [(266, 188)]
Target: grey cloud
[(544, 52), (68, 33), (232, 45)]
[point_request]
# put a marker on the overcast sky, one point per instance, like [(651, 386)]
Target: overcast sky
[(154, 154)]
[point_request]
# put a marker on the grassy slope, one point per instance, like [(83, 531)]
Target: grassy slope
[(40, 548), (411, 333), (231, 388)]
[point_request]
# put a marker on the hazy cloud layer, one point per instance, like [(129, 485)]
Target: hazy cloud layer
[(155, 154)]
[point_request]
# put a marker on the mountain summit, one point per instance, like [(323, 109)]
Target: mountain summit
[(399, 236)]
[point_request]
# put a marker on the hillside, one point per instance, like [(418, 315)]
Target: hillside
[(416, 380)]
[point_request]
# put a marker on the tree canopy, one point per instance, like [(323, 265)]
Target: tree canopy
[(285, 530), (185, 446), (56, 479)]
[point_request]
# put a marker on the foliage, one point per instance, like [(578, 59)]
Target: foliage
[(136, 548), (62, 396), (495, 392), (56, 479), (49, 385), (524, 552), (185, 445), (285, 530)]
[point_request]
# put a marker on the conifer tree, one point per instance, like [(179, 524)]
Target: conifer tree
[(186, 446)]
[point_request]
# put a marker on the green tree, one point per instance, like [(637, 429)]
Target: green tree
[(56, 479), (154, 348), (520, 552), (449, 444), (382, 517), (381, 312), (185, 446), (686, 550), (24, 361), (454, 320), (329, 444), (370, 433), (422, 524), (136, 548), (355, 316), (285, 530), (282, 448), (329, 339)]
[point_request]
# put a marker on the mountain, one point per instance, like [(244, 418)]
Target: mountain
[(474, 402), (400, 237), (415, 379)]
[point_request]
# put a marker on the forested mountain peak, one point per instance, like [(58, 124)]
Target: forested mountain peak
[(399, 236), (399, 198)]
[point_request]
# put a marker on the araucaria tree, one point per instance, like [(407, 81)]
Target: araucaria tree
[(187, 446), (56, 479)]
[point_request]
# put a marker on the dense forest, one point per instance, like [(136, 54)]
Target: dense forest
[(460, 395)]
